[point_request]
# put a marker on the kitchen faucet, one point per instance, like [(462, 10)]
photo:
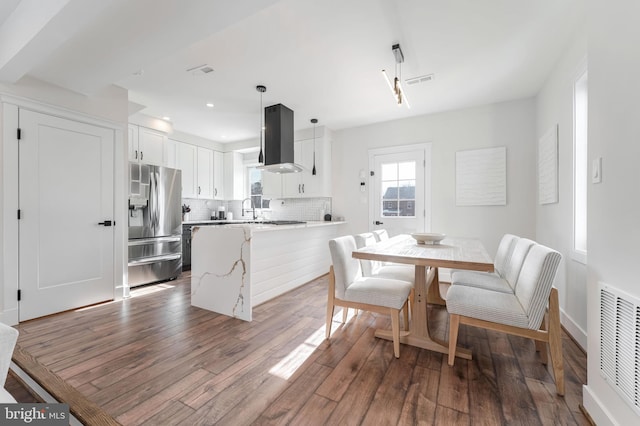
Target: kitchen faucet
[(253, 207)]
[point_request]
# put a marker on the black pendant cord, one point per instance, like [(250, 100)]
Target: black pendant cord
[(314, 121), (261, 89)]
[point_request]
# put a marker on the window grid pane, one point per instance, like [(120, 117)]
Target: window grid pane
[(398, 189)]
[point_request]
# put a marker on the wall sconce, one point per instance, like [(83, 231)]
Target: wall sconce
[(363, 182)]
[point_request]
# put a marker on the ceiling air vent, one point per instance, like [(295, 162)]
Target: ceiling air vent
[(418, 80), (200, 69)]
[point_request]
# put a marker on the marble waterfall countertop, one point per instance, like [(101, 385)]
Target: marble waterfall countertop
[(236, 266), (260, 224)]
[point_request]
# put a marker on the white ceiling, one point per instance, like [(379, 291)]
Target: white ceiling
[(323, 59)]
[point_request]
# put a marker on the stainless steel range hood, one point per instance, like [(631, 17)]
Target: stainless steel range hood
[(278, 141)]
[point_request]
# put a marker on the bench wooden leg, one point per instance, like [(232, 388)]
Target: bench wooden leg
[(454, 324), (555, 341), (541, 346)]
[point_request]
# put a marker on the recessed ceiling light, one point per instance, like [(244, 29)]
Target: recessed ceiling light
[(165, 118), (209, 104)]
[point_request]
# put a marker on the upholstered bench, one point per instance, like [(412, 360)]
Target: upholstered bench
[(520, 310), (509, 260)]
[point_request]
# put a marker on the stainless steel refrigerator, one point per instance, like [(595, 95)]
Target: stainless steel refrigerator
[(155, 223)]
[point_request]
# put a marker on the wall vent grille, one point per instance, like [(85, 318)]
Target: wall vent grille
[(620, 343)]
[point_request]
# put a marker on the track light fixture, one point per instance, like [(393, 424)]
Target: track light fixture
[(396, 86)]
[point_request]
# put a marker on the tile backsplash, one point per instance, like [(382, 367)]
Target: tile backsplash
[(285, 209)]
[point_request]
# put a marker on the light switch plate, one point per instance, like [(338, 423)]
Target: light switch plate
[(596, 170)]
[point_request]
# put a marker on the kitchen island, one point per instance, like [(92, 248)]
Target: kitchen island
[(237, 266)]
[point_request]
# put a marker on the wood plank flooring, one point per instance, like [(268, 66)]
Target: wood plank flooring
[(154, 359)]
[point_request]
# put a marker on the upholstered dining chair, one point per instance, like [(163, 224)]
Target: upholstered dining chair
[(521, 312), (8, 338), (396, 271), (348, 288)]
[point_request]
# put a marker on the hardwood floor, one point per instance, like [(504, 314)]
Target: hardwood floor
[(154, 359)]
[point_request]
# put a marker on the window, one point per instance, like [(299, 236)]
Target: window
[(255, 189), (580, 167), (398, 182)]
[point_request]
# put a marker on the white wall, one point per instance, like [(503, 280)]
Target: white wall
[(613, 205), (510, 124), (110, 108), (554, 222)]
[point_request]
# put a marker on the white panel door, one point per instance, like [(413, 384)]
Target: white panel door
[(66, 189), (398, 192)]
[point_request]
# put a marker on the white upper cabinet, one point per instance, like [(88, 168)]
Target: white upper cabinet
[(205, 173), (146, 145), (233, 176), (202, 169), (272, 185), (186, 161), (305, 183), (218, 175)]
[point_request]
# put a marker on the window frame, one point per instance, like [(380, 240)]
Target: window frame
[(247, 174), (580, 89)]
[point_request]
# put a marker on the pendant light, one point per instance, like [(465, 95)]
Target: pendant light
[(261, 89), (314, 121)]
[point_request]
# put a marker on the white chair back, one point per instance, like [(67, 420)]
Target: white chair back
[(535, 282), (346, 269), (503, 255), (369, 267), (381, 235)]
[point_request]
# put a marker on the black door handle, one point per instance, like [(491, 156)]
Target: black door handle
[(377, 222), (107, 223)]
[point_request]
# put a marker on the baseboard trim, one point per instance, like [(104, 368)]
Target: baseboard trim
[(597, 411), (574, 330)]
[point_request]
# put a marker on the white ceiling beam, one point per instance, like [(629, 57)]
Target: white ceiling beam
[(36, 29)]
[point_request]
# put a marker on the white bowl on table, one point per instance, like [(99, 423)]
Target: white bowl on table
[(428, 238)]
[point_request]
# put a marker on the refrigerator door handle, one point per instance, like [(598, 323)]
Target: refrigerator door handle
[(155, 259)]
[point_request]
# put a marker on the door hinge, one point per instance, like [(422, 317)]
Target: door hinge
[(424, 163), (372, 173), (19, 214), (19, 133), (19, 295)]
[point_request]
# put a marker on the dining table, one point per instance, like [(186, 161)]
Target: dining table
[(451, 252)]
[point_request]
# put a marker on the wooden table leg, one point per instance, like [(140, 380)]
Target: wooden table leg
[(433, 292), (418, 334)]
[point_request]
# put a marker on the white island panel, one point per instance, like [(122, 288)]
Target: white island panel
[(288, 258), (235, 267), (220, 265)]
